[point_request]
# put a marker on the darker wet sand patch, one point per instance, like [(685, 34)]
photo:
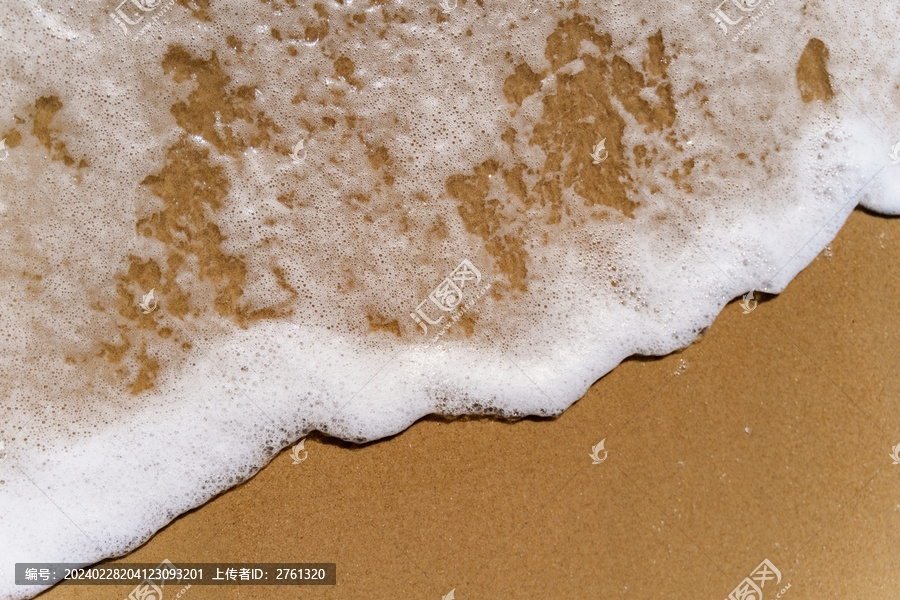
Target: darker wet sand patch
[(580, 115), (813, 79)]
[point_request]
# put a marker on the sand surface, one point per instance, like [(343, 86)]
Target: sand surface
[(767, 439)]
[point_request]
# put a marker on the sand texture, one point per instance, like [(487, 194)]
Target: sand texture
[(768, 438)]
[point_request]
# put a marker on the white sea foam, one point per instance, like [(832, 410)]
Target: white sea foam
[(115, 421)]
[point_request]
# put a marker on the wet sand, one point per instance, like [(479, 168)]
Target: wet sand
[(767, 439)]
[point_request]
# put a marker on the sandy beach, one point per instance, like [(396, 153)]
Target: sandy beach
[(767, 439)]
